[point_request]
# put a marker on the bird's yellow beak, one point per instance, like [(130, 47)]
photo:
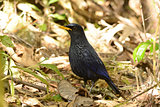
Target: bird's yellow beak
[(66, 28)]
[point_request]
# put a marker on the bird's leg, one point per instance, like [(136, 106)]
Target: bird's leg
[(85, 82), (93, 82)]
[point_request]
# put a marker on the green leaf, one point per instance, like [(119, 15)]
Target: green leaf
[(58, 16), (43, 27), (52, 1), (54, 68), (50, 97), (135, 53), (148, 41), (126, 81), (141, 50), (57, 98), (6, 41), (32, 73), (151, 40), (33, 6), (12, 88), (156, 48), (3, 59), (43, 73)]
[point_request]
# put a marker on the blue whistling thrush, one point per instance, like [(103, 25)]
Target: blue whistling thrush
[(84, 60)]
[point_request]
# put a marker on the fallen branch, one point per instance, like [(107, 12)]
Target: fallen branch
[(29, 84)]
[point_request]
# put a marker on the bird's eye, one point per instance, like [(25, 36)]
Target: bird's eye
[(75, 28)]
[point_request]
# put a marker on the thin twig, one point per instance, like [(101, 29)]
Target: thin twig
[(154, 52), (158, 62), (143, 92), (143, 23), (137, 95), (29, 84)]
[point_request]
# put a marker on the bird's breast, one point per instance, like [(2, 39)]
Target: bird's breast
[(76, 48)]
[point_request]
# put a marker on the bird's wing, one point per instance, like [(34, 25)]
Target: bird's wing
[(94, 63), (87, 64)]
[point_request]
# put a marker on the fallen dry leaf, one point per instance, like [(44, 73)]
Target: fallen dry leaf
[(81, 101), (30, 101), (66, 90)]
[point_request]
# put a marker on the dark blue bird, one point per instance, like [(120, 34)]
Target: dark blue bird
[(84, 60)]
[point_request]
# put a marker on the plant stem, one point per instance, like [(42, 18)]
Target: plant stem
[(154, 52)]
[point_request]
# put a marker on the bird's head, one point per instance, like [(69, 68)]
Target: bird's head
[(76, 32), (73, 29)]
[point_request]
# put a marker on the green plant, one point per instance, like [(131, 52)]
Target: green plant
[(140, 50), (5, 40)]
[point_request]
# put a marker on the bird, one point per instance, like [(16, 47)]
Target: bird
[(84, 60)]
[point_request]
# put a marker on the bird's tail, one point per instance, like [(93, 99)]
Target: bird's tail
[(113, 86)]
